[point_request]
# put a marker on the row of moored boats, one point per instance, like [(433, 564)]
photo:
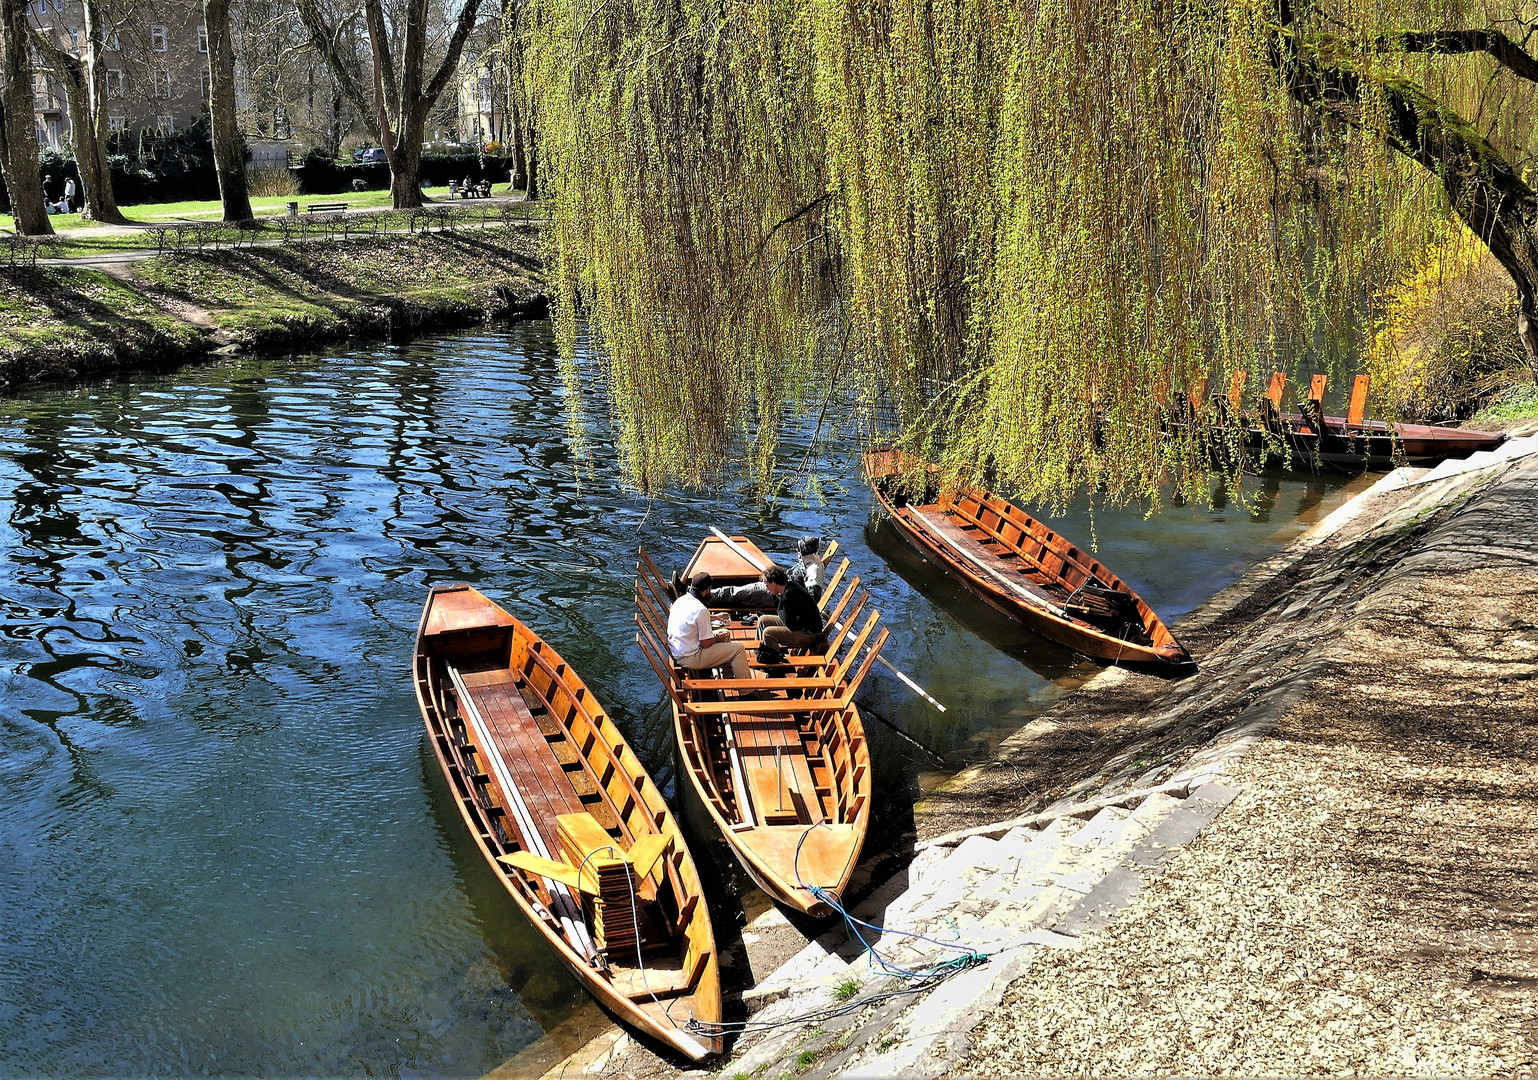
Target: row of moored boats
[(582, 838)]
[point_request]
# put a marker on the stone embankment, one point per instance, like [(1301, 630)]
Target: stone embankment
[(1315, 857)]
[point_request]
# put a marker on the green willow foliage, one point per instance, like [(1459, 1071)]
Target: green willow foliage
[(1000, 233)]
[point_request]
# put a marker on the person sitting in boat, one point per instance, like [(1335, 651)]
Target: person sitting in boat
[(694, 643), (809, 570), (797, 623)]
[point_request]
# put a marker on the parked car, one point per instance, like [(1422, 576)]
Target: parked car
[(369, 155)]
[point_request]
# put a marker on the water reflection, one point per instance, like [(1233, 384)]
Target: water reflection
[(225, 849)]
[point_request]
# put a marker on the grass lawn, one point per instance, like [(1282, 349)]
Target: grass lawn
[(60, 320), (209, 210), (316, 290), (78, 238)]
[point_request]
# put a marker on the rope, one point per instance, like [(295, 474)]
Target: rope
[(917, 981)]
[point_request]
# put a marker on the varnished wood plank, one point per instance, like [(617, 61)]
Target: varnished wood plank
[(463, 609), (528, 756)]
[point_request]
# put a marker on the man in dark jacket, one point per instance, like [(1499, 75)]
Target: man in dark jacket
[(798, 622)]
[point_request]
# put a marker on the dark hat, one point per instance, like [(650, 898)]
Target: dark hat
[(700, 581), (809, 545)]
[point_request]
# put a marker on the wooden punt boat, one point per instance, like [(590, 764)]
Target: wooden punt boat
[(786, 777), (1351, 442), (568, 818), (1021, 567)]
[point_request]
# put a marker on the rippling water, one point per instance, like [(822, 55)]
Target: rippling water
[(223, 846)]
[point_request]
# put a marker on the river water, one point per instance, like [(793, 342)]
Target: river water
[(224, 847)]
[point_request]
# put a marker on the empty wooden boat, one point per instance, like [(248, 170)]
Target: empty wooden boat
[(568, 818), (1352, 442), (779, 761), (1025, 569)]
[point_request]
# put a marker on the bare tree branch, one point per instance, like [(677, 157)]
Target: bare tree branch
[(1506, 52)]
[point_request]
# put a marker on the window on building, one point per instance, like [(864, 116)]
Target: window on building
[(158, 38), (202, 39), (162, 81), (114, 83), (166, 124), (206, 82), (74, 40), (112, 43), (117, 123)]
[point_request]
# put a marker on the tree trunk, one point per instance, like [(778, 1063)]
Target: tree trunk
[(84, 89), (91, 144), (406, 161), (515, 127), (229, 150), (1527, 330), (87, 129), (18, 127), (531, 190)]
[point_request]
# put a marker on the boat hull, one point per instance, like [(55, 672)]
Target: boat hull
[(776, 856), (993, 582), (780, 760), (1372, 445), (482, 808)]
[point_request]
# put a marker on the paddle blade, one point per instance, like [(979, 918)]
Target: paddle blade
[(565, 873), (645, 852)]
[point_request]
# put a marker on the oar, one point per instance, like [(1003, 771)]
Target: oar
[(743, 552), (939, 759)]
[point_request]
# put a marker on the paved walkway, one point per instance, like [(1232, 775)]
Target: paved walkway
[(120, 257)]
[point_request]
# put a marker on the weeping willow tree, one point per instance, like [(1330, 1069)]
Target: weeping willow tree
[(1009, 234)]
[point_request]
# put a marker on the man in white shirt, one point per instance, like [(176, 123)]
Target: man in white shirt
[(693, 642)]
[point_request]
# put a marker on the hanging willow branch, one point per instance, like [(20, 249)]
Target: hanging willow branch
[(1011, 235)]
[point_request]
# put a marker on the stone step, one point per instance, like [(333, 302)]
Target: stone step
[(983, 918), (832, 957), (1012, 897), (928, 1038)]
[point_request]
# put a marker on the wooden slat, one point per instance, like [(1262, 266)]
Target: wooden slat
[(832, 586), (1358, 407), (1277, 387), (1236, 389), (949, 532)]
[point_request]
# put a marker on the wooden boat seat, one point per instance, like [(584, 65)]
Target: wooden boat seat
[(666, 978)]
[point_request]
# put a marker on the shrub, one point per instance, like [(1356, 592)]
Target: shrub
[(271, 183), (1446, 340)]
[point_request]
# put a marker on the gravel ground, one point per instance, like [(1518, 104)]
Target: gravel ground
[(1367, 906)]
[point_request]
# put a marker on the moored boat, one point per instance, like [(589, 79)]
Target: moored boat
[(1023, 568), (567, 818), (1352, 442), (780, 761)]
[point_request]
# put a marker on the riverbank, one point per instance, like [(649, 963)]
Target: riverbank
[(1364, 903), (66, 322)]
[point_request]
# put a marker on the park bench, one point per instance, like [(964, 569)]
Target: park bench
[(319, 207)]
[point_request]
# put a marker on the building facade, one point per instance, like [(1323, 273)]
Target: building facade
[(154, 59)]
